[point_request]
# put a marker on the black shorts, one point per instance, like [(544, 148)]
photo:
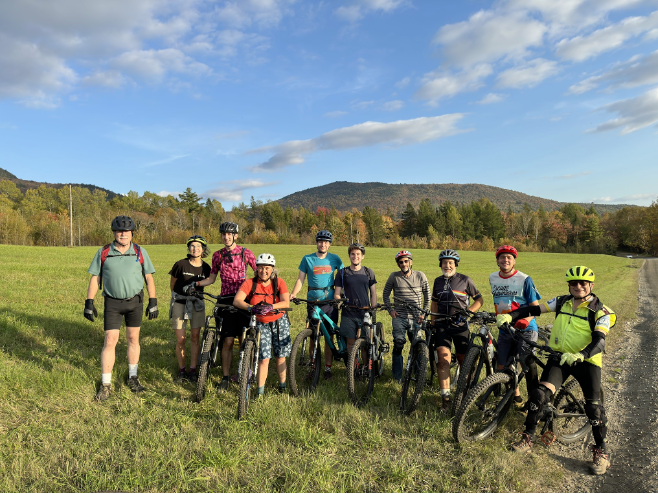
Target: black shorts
[(328, 309), (445, 337), (588, 376), (233, 323), (116, 309)]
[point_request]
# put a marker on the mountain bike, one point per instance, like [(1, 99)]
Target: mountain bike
[(365, 361), (306, 355), (487, 404), (248, 361)]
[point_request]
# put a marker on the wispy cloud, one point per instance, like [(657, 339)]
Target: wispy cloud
[(335, 114), (528, 74), (165, 160), (629, 199), (233, 190), (357, 10), (633, 114), (571, 176), (492, 98), (399, 133), (393, 105)]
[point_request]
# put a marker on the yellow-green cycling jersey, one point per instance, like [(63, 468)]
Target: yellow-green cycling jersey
[(572, 330)]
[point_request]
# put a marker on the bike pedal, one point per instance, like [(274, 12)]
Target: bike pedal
[(548, 438), (385, 347)]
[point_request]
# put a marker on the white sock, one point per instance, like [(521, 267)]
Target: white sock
[(106, 378), (445, 393), (132, 370)]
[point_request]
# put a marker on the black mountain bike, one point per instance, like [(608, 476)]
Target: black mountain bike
[(365, 361), (487, 404)]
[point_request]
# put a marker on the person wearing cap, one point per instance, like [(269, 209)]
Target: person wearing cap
[(512, 289), (184, 307), (581, 325), (231, 263), (410, 286), (262, 295), (120, 269), (320, 267), (451, 295)]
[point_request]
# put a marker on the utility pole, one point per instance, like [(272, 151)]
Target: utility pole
[(71, 212)]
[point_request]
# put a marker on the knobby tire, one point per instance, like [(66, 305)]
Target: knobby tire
[(570, 400), (245, 379), (360, 373), (304, 375), (379, 363), (469, 375), (414, 380), (204, 365)]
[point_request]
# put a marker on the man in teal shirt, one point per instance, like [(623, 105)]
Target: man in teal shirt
[(320, 267), (121, 267)]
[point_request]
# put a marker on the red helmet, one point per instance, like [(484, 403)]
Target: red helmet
[(403, 253), (507, 249)]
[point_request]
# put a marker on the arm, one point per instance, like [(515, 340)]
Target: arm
[(434, 308), (373, 295), (150, 285), (298, 284), (475, 306), (208, 281), (284, 301), (239, 300), (597, 345), (337, 292), (386, 295), (172, 282), (92, 290)]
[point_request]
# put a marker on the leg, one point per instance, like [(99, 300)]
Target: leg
[(263, 368), (227, 355), (132, 336), (444, 367), (195, 347), (108, 352), (281, 369), (180, 348), (400, 328)]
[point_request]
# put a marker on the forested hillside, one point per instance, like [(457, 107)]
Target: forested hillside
[(24, 185)]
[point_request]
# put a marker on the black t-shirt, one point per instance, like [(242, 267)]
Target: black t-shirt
[(452, 294), (356, 288), (185, 274)]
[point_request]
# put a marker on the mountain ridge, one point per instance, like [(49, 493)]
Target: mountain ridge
[(24, 185)]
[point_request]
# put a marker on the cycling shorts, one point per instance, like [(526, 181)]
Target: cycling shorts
[(117, 309), (508, 344), (233, 323), (446, 337), (588, 376)]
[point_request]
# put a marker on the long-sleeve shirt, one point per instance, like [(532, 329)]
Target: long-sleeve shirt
[(414, 289)]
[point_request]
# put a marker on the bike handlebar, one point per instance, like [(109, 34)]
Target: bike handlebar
[(519, 334), (333, 301)]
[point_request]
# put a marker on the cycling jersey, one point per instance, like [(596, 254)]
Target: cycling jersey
[(231, 265), (513, 291), (571, 331), (320, 273), (453, 294)]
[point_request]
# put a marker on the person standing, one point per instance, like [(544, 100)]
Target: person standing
[(120, 269), (185, 308), (320, 267)]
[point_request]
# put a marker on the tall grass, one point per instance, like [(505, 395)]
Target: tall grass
[(53, 437)]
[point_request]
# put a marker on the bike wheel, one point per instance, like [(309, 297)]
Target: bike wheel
[(470, 374), (245, 379), (484, 408), (455, 370), (431, 368), (204, 365), (360, 373), (379, 363), (570, 422), (414, 380), (304, 370)]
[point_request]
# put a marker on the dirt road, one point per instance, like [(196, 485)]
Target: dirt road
[(630, 382)]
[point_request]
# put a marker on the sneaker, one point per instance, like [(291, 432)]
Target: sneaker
[(518, 402), (103, 392), (328, 376), (134, 384), (282, 389), (193, 376), (600, 462), (182, 376), (223, 386), (524, 445), (446, 404)]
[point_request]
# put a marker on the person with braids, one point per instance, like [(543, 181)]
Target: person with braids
[(581, 325)]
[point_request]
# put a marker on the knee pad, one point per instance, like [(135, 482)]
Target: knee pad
[(595, 413), (398, 346), (539, 396)]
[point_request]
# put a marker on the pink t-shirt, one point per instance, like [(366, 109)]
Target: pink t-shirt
[(231, 268)]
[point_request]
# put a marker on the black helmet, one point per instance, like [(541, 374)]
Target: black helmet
[(356, 245), (123, 223), (449, 254), (228, 227), (324, 235)]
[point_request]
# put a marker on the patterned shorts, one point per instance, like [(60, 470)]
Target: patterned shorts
[(275, 341)]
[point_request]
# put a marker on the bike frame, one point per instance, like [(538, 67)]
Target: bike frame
[(323, 319)]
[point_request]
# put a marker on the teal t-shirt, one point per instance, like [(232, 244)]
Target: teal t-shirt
[(122, 273), (320, 275)]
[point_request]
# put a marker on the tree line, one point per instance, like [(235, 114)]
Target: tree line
[(41, 217)]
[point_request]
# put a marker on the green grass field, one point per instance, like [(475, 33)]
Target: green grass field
[(53, 437)]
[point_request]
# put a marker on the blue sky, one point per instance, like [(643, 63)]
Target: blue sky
[(554, 98)]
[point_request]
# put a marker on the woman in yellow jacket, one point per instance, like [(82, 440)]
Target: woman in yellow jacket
[(581, 325)]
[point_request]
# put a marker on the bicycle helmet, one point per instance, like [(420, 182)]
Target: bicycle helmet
[(202, 241), (228, 227), (507, 249), (449, 254), (324, 235), (265, 260), (123, 223), (403, 253), (354, 246), (580, 273)]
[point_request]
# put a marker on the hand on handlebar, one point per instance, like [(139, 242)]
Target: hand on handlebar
[(571, 358), (190, 289), (522, 324), (503, 319), (261, 309)]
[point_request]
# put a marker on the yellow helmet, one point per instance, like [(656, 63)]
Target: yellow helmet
[(580, 273)]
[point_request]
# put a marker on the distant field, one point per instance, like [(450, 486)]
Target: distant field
[(53, 437)]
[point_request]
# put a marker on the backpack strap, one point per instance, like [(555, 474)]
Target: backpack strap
[(593, 307), (252, 292), (105, 253)]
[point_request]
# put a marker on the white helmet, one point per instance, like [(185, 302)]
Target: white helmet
[(265, 260)]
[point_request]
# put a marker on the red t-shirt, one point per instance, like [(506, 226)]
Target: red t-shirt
[(264, 294)]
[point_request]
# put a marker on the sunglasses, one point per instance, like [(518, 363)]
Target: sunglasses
[(578, 282), (403, 261)]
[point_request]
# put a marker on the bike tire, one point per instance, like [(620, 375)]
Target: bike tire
[(204, 365), (484, 408), (414, 380), (379, 363), (431, 368), (360, 373), (304, 371), (245, 378), (569, 399), (467, 375)]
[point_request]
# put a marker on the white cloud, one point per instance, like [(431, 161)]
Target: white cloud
[(638, 71), (629, 199), (155, 64), (232, 191), (360, 8), (527, 75), (402, 83), (399, 133), (107, 78), (394, 105), (492, 98), (165, 160), (444, 84), (165, 193), (362, 105), (335, 114), (633, 114)]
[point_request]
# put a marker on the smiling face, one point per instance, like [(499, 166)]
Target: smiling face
[(323, 246), (580, 289), (506, 263), (195, 249), (229, 238), (123, 237), (405, 264), (264, 272), (448, 267), (356, 256)]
